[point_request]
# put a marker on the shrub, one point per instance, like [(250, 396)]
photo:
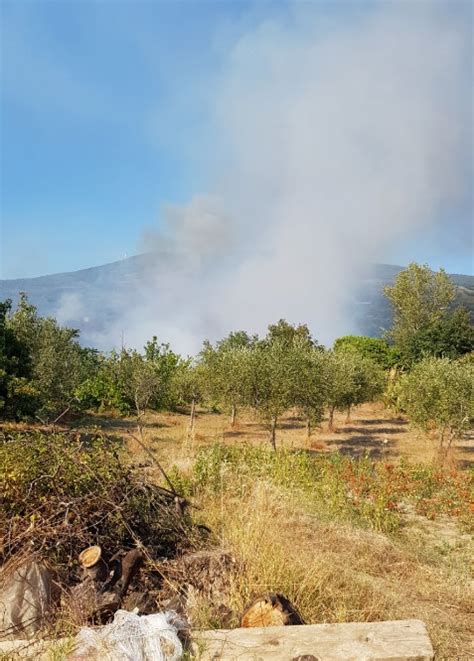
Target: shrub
[(62, 493)]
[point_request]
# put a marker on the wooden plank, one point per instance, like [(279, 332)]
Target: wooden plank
[(402, 640)]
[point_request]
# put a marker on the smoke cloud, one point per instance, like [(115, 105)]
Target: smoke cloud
[(331, 142)]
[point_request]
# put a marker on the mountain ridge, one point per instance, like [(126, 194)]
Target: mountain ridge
[(89, 299)]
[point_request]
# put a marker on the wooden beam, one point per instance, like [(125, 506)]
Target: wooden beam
[(402, 640)]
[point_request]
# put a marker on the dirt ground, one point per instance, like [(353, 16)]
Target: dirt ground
[(372, 430)]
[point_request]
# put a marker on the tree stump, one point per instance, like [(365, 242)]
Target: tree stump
[(104, 585), (270, 610)]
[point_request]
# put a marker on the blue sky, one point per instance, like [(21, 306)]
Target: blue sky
[(106, 117)]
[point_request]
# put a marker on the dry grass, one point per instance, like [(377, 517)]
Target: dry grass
[(332, 571), (373, 430), (338, 573)]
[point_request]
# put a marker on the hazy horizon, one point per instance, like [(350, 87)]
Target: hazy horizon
[(143, 254)]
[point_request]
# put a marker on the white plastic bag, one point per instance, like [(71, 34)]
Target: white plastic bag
[(132, 637)]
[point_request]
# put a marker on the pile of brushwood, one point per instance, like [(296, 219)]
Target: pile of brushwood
[(62, 493)]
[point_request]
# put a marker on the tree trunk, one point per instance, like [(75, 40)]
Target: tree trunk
[(331, 418), (192, 416), (308, 428), (348, 416), (451, 437), (273, 432), (442, 431), (232, 415)]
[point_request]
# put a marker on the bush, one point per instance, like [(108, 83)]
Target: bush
[(61, 494)]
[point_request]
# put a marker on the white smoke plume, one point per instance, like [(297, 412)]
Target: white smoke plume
[(330, 143)]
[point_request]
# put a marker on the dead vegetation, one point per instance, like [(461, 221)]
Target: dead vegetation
[(339, 553), (64, 493)]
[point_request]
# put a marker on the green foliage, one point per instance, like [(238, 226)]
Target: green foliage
[(284, 372), (49, 361), (237, 340), (274, 369), (374, 348), (61, 494), (369, 493), (288, 335), (227, 374), (105, 389), (450, 337), (439, 394), (351, 379), (420, 298), (310, 387), (189, 383), (17, 395), (130, 381)]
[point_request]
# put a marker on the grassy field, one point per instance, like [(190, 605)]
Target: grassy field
[(358, 524)]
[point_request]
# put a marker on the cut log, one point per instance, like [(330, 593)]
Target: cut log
[(104, 586), (93, 564), (270, 610), (128, 568), (90, 556)]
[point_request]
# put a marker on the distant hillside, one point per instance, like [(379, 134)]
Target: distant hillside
[(87, 299)]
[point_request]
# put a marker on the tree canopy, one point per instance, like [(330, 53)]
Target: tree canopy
[(420, 298), (439, 393), (375, 348)]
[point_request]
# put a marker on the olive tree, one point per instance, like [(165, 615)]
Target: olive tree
[(284, 370), (188, 384), (439, 393), (17, 395), (309, 388), (228, 377), (56, 360), (274, 372), (350, 379)]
